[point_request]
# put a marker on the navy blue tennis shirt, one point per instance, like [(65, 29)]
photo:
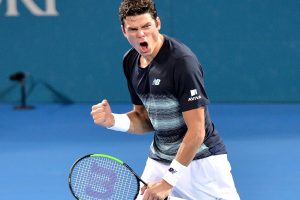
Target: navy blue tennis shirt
[(171, 84)]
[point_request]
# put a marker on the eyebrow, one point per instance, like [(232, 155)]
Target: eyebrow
[(147, 24), (135, 28)]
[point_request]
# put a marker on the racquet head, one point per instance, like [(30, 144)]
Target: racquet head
[(100, 176)]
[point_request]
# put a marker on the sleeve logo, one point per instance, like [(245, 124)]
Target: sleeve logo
[(194, 95), (193, 92)]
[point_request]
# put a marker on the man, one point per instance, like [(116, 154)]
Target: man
[(187, 157)]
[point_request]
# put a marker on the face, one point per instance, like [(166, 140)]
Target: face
[(142, 32)]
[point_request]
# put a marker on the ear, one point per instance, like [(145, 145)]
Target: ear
[(158, 23), (123, 30)]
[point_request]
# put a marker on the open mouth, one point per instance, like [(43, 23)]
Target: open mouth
[(144, 46)]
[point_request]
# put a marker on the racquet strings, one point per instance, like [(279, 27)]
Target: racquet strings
[(95, 178)]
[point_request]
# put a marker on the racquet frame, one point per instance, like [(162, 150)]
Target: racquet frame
[(108, 157)]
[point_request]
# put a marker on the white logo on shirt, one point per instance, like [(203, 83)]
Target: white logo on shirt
[(156, 82), (194, 95), (193, 92)]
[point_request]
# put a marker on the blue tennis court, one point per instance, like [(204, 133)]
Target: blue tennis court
[(39, 146)]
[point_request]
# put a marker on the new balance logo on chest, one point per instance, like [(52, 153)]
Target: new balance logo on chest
[(156, 82)]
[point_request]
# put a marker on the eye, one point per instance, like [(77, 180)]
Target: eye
[(132, 29), (147, 26)]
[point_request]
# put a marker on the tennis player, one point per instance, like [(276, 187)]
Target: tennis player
[(187, 158)]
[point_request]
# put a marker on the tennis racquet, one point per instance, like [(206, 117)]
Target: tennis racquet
[(101, 176)]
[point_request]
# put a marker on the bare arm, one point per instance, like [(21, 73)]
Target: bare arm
[(139, 120), (195, 121)]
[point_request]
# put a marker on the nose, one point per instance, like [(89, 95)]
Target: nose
[(140, 33)]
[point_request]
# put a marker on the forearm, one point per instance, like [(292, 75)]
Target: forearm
[(194, 137), (189, 146), (139, 122), (187, 151), (192, 140)]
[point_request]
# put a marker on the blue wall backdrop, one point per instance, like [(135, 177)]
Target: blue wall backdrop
[(72, 50)]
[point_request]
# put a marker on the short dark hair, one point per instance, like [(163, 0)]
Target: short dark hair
[(136, 7)]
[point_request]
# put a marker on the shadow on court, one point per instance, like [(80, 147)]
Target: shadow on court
[(39, 146)]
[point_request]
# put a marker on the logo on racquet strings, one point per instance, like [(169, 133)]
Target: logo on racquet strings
[(101, 181)]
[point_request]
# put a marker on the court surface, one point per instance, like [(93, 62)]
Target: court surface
[(39, 146)]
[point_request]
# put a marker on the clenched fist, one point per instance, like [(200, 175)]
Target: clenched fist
[(102, 114)]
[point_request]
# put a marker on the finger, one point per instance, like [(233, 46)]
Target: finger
[(104, 102), (146, 196), (106, 105), (98, 115), (142, 190), (101, 121), (98, 110), (99, 105), (98, 119), (103, 105)]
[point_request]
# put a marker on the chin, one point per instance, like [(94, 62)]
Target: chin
[(148, 53), (145, 54)]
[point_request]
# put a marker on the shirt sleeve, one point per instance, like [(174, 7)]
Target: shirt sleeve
[(189, 83), (135, 99), (127, 68)]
